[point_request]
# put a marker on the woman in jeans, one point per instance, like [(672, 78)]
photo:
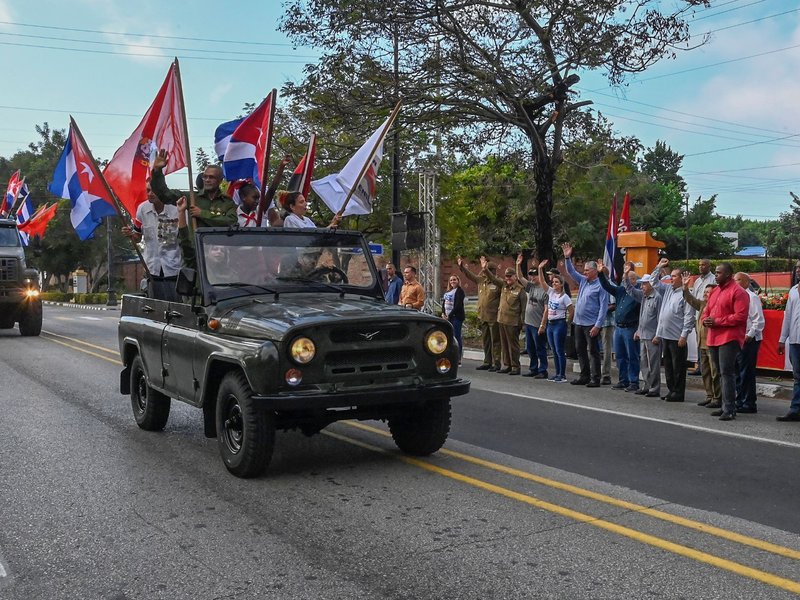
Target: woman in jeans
[(453, 309), (559, 311)]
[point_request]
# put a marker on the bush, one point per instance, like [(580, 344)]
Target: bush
[(747, 265), (56, 296), (96, 298)]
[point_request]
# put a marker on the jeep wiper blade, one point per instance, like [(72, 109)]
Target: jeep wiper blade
[(241, 284), (332, 286)]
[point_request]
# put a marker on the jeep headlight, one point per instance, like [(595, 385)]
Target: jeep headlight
[(302, 350), (32, 293), (436, 341)]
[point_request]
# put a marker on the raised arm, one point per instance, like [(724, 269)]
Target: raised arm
[(687, 293), (657, 284), (577, 277), (467, 273), (522, 280), (542, 278)]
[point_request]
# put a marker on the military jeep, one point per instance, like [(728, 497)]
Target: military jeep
[(19, 285), (286, 329)]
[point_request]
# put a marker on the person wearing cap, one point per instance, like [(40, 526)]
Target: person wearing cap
[(535, 337), (675, 323), (510, 317), (649, 352), (626, 321), (488, 304), (591, 307), (711, 382)]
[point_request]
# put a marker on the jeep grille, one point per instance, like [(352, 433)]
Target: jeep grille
[(8, 269), (362, 334), (372, 362)]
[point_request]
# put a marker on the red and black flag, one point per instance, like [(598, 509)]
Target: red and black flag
[(301, 178)]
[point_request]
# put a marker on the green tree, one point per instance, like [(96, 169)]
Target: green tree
[(487, 74), (662, 165)]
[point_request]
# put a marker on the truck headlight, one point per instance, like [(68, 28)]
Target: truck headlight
[(302, 350), (32, 293), (436, 341)]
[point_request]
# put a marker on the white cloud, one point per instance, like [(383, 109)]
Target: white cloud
[(219, 92)]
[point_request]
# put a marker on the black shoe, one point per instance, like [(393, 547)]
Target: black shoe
[(727, 416), (514, 372), (717, 413), (714, 405), (632, 388), (606, 380), (506, 370), (750, 410), (704, 403), (593, 384), (483, 367), (530, 374), (651, 395), (674, 399), (695, 373), (579, 381), (542, 375), (641, 392), (492, 369), (792, 416), (665, 397), (619, 386)]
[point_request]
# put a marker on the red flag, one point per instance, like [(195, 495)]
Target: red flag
[(301, 178), (625, 215), (160, 129), (37, 224), (610, 251), (12, 191)]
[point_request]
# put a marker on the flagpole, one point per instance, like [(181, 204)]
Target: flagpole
[(306, 167), (386, 127), (111, 193), (185, 138), (262, 202)]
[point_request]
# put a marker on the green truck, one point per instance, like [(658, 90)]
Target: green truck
[(19, 286)]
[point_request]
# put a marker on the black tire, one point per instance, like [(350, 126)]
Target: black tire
[(423, 429), (150, 408), (30, 319), (245, 430)]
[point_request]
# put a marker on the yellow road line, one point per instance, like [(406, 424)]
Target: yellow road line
[(651, 512), (79, 349), (703, 557), (113, 351)]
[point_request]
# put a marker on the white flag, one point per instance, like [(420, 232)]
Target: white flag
[(333, 189)]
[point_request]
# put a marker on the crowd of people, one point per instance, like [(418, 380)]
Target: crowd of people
[(644, 321)]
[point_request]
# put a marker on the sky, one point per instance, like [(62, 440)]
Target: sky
[(731, 107)]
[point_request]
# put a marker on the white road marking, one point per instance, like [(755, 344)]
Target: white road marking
[(91, 318), (617, 413), (2, 570)]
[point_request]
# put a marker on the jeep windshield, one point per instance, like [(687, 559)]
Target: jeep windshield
[(262, 261)]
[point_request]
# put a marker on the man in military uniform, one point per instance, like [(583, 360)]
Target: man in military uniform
[(488, 304), (211, 207), (510, 317)]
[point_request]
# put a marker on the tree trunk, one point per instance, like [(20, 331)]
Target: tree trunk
[(544, 178)]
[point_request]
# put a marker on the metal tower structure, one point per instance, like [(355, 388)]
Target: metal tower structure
[(430, 253)]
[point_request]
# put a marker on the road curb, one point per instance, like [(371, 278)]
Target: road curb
[(767, 390), (83, 306)]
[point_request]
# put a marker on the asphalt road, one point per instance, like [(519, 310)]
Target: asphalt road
[(543, 491)]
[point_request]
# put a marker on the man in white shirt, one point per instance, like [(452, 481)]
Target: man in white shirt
[(790, 334), (157, 224), (747, 358)]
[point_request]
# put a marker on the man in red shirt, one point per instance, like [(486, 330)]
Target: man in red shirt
[(725, 319)]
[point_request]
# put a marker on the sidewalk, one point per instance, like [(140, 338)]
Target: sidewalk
[(777, 385)]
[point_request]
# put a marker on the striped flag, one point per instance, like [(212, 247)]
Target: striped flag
[(609, 255)]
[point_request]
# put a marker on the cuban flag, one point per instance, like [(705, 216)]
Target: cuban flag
[(304, 173), (611, 240), (24, 212), (243, 145), (77, 178), (12, 193)]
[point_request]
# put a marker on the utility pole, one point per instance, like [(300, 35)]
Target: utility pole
[(396, 139), (112, 295), (686, 205)]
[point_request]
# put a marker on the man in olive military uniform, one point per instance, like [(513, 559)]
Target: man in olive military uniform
[(488, 303), (510, 317), (211, 207)]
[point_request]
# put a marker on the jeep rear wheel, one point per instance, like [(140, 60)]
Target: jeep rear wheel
[(150, 408), (423, 429), (30, 318), (245, 430)]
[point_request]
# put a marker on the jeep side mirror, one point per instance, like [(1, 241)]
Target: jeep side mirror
[(185, 286)]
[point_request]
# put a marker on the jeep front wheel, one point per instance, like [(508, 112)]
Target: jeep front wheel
[(245, 430), (423, 429), (150, 408)]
